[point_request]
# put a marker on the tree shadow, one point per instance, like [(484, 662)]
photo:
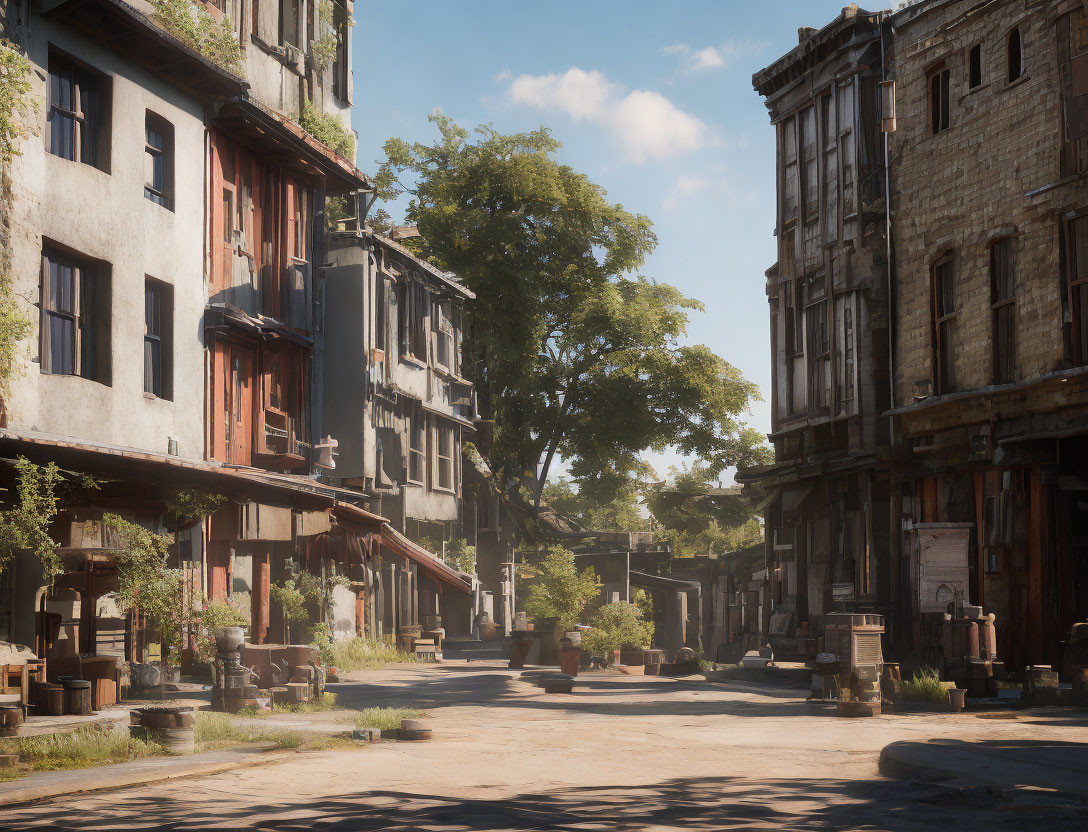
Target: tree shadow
[(692, 804)]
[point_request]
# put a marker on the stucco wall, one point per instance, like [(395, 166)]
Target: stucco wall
[(106, 216)]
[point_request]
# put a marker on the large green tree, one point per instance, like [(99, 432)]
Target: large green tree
[(621, 513), (573, 353)]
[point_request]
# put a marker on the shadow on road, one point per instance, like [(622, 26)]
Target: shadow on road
[(691, 804)]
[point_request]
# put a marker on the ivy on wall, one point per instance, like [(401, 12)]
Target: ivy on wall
[(194, 25)]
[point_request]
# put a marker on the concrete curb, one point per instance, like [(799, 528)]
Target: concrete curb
[(108, 778)]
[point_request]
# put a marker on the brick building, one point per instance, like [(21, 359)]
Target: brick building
[(990, 341), (826, 498)]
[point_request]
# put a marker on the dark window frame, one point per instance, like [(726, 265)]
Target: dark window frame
[(942, 299), (160, 192), (84, 309), (1015, 64), (417, 445), (1077, 285), (939, 82), (79, 96), (975, 68), (158, 339), (1003, 309)]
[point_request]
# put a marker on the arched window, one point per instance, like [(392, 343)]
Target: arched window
[(1015, 47)]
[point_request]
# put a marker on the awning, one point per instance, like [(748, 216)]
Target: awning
[(401, 545)]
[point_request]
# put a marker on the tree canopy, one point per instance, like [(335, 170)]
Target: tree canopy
[(621, 513), (574, 354)]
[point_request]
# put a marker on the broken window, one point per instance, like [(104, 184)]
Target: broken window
[(75, 115), (158, 160), (974, 66), (1077, 285), (443, 455), (1015, 50), (417, 440), (788, 143), (940, 105), (158, 337), (818, 353), (75, 322), (944, 319), (1003, 309)]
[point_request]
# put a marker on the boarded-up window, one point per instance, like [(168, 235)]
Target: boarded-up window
[(940, 104), (75, 319), (944, 319), (1077, 285), (1003, 307), (788, 144)]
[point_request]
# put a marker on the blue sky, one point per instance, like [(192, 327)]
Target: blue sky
[(652, 100)]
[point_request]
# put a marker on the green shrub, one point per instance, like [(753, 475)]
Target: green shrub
[(387, 719), (925, 686), (561, 591), (616, 626), (193, 25), (329, 130)]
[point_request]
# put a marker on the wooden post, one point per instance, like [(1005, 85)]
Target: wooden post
[(259, 600), (218, 559)]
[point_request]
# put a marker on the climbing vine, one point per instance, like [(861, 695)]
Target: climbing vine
[(192, 24), (323, 49), (187, 508), (16, 103), (26, 525)]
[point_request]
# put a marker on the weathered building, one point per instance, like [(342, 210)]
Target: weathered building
[(990, 224), (826, 498), (400, 410)]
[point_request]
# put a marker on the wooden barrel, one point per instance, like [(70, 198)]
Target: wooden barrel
[(77, 697), (171, 726), (50, 699), (11, 717)]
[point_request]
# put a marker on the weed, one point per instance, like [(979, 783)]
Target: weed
[(78, 749), (387, 719), (925, 686), (362, 654)]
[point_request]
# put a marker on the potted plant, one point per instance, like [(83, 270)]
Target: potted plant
[(560, 595), (617, 627)]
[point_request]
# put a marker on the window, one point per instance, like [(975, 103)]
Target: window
[(1003, 308), (939, 100), (76, 114), (75, 305), (293, 22), (794, 320), (818, 351), (443, 335), (944, 318), (810, 171), (849, 352), (831, 168), (158, 338), (1015, 49), (788, 142), (845, 96), (341, 67), (443, 457), (1077, 285), (421, 316), (159, 160), (417, 440), (974, 66)]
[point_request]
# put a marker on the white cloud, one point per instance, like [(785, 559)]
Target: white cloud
[(712, 57), (645, 123)]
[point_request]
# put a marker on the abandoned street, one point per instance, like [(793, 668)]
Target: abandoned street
[(621, 752)]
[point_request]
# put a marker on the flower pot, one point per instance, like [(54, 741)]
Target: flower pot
[(229, 639), (956, 699), (568, 660), (519, 651)]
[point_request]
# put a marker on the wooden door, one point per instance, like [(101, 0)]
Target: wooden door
[(241, 406)]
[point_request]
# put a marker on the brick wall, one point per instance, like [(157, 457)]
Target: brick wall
[(964, 187)]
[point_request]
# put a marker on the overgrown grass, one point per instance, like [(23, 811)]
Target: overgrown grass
[(387, 719), (925, 686), (362, 654), (215, 730), (327, 702), (77, 749)]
